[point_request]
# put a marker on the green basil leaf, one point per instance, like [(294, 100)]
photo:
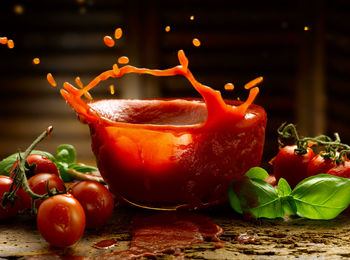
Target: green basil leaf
[(256, 197), (289, 206), (257, 173), (80, 167), (322, 196), (66, 153), (283, 188), (7, 163), (63, 168)]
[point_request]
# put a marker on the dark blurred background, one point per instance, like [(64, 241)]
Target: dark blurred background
[(301, 48)]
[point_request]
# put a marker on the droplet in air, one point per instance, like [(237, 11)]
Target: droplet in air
[(229, 86), (192, 17), (167, 28), (196, 42), (306, 28), (36, 61), (111, 89), (123, 60), (118, 33), (51, 80), (108, 41)]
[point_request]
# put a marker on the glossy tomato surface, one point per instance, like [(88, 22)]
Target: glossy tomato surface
[(290, 165), (61, 220), (22, 202), (341, 170), (318, 165), (38, 184), (96, 200), (42, 164)]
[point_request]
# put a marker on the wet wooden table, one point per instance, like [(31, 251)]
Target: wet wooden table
[(274, 239)]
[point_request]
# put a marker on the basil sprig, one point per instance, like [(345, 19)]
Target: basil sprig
[(65, 161), (322, 196)]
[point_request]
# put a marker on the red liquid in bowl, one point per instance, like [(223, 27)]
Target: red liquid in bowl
[(163, 153)]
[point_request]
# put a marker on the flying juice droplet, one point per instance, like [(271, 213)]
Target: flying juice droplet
[(229, 86), (51, 80), (196, 42), (118, 33), (108, 41), (167, 28), (36, 61), (123, 60)]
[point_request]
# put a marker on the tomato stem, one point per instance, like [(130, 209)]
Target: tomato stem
[(331, 146), (74, 174), (20, 178)]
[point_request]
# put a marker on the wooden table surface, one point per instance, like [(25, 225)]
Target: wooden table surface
[(274, 239)]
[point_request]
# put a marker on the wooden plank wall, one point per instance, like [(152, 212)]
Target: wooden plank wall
[(240, 41)]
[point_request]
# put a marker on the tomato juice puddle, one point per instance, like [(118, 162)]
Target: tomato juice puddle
[(166, 232)]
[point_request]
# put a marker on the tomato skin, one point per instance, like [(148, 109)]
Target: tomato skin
[(318, 165), (341, 170), (61, 220), (21, 203), (97, 201), (43, 164), (38, 182), (290, 165)]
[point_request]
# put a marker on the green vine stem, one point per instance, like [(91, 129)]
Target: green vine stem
[(20, 179), (84, 176), (333, 148)]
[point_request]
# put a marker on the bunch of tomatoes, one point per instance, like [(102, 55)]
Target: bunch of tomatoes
[(63, 216), (299, 161)]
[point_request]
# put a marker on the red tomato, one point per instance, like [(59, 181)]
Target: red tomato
[(61, 220), (290, 165), (38, 184), (22, 202), (42, 164), (341, 170), (96, 200), (318, 165)]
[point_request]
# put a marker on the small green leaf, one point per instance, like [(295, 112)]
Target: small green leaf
[(283, 188), (80, 167), (63, 169), (66, 153), (257, 173), (256, 197), (322, 196), (7, 163)]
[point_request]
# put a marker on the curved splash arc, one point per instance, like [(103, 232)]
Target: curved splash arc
[(216, 106)]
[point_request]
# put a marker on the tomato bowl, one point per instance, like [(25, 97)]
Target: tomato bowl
[(162, 154)]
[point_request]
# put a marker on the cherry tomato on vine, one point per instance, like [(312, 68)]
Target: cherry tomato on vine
[(42, 164), (290, 165), (318, 165), (20, 203), (96, 200), (341, 170), (38, 184), (61, 220)]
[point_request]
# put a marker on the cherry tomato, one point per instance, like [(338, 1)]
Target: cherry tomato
[(61, 220), (38, 184), (42, 164), (96, 200), (341, 170), (290, 165), (318, 165), (20, 203)]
